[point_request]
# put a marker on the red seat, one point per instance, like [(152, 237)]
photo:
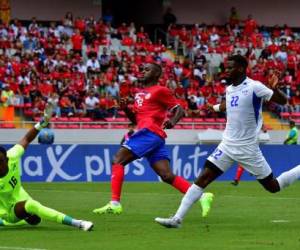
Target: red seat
[(27, 105), (28, 112), (74, 119), (198, 120), (61, 126), (210, 120), (62, 119), (211, 126), (121, 119), (118, 126), (96, 126), (110, 119), (187, 126), (8, 125), (200, 127), (85, 119), (86, 126), (187, 119), (221, 120), (121, 113), (295, 115), (285, 115), (53, 119), (177, 126), (73, 126)]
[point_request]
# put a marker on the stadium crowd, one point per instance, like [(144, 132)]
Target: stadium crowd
[(85, 65)]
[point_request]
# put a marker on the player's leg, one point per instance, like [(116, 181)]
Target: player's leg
[(258, 166), (121, 159), (209, 174), (139, 144), (32, 212), (238, 175), (284, 180), (160, 163), (217, 163)]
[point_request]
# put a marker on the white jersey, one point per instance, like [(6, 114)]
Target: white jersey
[(244, 111)]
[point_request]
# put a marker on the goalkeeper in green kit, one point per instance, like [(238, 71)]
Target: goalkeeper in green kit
[(16, 205)]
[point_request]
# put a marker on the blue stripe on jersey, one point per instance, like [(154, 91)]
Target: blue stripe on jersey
[(256, 101)]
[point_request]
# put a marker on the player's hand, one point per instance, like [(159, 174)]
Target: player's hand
[(47, 115), (123, 103), (168, 124), (210, 107)]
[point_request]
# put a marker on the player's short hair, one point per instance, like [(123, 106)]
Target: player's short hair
[(158, 68), (3, 151), (239, 60)]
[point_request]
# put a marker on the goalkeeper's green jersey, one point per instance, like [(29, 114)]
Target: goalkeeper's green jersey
[(11, 190)]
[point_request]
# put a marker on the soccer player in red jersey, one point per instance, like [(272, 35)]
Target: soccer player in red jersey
[(152, 103)]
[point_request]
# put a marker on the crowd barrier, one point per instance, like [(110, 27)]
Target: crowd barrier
[(92, 163)]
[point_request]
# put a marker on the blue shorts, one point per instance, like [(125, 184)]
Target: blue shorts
[(145, 143)]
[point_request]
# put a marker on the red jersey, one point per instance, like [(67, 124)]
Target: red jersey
[(151, 106)]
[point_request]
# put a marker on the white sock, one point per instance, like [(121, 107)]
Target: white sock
[(289, 177), (115, 203), (192, 195)]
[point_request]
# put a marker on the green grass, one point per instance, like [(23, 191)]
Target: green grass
[(241, 219)]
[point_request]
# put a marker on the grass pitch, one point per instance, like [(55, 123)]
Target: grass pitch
[(243, 217)]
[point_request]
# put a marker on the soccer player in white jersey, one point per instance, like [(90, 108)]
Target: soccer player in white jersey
[(243, 105)]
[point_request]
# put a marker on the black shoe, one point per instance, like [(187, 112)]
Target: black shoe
[(235, 183)]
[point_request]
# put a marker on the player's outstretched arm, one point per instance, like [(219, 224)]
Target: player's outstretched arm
[(178, 113), (218, 107), (279, 97), (33, 132)]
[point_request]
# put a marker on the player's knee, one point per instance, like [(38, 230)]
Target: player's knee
[(167, 177), (33, 220), (272, 189), (31, 206), (118, 160)]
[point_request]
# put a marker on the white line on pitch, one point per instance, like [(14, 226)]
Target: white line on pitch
[(280, 221), (20, 248)]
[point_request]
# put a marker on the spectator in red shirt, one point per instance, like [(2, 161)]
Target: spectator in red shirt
[(66, 106), (250, 26)]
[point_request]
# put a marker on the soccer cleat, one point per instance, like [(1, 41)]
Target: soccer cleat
[(109, 209), (235, 183), (86, 225), (206, 202), (171, 222)]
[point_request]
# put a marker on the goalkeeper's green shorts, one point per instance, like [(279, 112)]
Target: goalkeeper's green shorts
[(8, 213)]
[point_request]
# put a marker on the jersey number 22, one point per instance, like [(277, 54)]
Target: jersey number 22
[(234, 101)]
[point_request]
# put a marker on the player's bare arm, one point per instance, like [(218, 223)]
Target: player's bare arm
[(178, 113), (123, 103), (33, 132), (279, 97), (218, 107)]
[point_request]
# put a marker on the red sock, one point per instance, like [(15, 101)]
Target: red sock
[(117, 178), (181, 184), (239, 173)]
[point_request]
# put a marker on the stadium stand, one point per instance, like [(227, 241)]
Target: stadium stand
[(86, 66)]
